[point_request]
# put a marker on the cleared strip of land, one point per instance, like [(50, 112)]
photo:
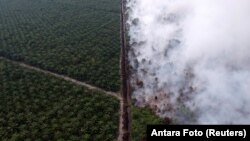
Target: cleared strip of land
[(63, 77)]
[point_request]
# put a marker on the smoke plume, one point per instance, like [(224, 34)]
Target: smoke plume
[(190, 59)]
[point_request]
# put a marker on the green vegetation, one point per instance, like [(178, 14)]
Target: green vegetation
[(36, 106), (141, 117), (77, 38)]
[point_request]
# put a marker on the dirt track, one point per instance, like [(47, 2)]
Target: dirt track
[(63, 77), (125, 115)]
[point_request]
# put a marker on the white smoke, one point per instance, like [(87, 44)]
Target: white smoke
[(190, 59)]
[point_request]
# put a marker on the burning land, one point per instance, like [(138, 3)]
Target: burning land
[(189, 61)]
